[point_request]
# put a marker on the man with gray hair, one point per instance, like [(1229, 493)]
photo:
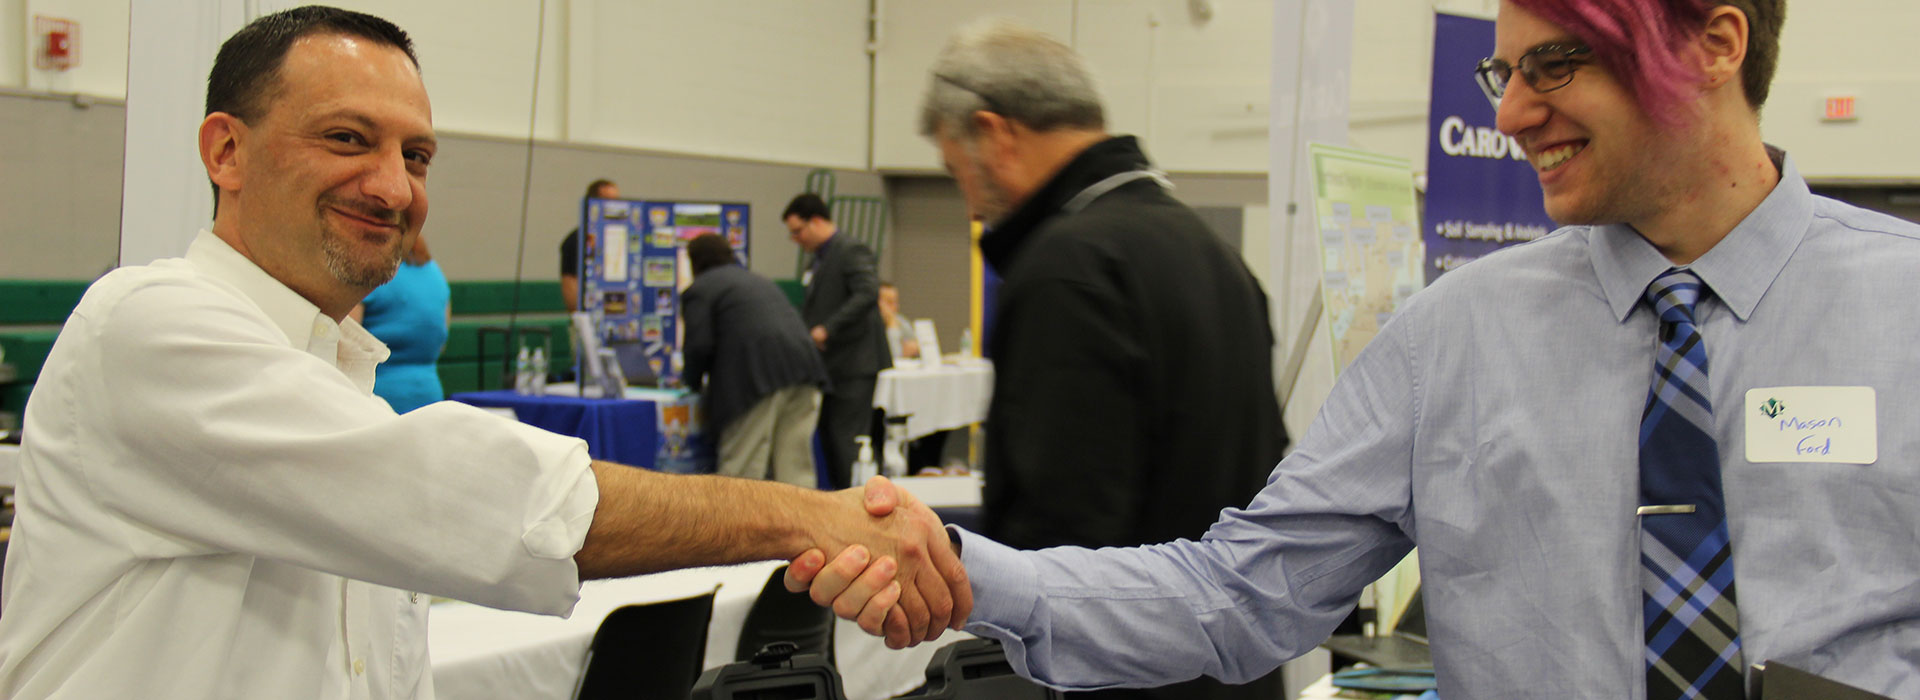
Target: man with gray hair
[(1134, 394)]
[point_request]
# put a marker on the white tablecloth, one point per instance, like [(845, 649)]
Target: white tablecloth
[(484, 654), (961, 491), (936, 399)]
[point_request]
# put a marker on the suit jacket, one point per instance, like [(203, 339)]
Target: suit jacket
[(744, 341), (844, 296)]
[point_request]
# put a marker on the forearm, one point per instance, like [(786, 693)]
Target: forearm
[(863, 293), (648, 521), (1064, 613), (856, 308)]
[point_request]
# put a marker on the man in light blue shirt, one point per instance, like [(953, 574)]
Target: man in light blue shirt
[(1493, 423)]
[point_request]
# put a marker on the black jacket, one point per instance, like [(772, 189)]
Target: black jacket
[(1133, 389), (1133, 397), (844, 296), (744, 341)]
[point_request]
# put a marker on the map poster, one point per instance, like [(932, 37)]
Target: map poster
[(1371, 253)]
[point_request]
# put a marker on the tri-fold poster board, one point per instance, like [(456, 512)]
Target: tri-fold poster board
[(633, 267)]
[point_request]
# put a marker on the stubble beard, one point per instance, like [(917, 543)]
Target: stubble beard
[(995, 204), (353, 271)]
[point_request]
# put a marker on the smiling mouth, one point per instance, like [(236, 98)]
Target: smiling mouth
[(1557, 156), (369, 220)]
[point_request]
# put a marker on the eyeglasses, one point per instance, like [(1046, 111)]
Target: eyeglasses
[(1546, 69)]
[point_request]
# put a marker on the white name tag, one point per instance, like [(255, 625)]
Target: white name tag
[(806, 278), (1835, 424)]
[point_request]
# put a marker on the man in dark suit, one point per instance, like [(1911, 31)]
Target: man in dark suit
[(760, 370), (843, 314)]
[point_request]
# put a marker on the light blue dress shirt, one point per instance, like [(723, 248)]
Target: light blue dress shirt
[(1493, 423)]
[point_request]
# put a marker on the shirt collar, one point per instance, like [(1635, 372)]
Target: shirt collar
[(1004, 238), (821, 251), (1738, 269), (292, 313)]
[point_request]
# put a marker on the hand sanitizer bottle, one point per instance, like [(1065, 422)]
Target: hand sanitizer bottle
[(537, 376), (864, 467)]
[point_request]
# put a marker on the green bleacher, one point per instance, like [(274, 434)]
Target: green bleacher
[(31, 312)]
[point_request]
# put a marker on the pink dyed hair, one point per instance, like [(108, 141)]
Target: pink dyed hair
[(1643, 43)]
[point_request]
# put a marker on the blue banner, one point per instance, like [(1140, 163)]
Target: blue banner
[(1482, 194)]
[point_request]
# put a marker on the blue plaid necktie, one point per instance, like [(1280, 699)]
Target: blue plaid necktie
[(1693, 631)]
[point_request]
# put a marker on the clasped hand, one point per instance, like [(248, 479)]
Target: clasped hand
[(898, 577)]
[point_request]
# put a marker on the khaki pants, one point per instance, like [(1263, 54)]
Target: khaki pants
[(774, 439)]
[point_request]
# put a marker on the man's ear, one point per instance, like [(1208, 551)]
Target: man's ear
[(220, 136), (992, 132), (1723, 46)]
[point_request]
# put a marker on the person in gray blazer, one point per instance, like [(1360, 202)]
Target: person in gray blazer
[(761, 375), (842, 313)]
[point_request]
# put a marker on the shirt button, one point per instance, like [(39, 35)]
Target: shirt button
[(359, 667)]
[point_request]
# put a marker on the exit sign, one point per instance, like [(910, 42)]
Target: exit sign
[(1840, 109)]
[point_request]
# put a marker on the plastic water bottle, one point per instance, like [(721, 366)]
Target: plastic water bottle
[(966, 342), (523, 372), (864, 467), (537, 377)]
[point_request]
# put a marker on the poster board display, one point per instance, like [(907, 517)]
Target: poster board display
[(633, 268), (1370, 249)]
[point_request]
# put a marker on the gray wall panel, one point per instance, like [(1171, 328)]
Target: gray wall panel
[(59, 187), (60, 195)]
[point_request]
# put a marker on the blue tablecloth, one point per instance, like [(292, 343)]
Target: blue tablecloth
[(629, 431)]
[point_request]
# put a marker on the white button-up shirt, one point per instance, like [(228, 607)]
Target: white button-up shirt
[(212, 503)]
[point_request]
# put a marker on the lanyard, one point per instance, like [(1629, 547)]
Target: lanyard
[(1113, 182)]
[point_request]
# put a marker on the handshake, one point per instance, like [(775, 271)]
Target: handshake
[(901, 578)]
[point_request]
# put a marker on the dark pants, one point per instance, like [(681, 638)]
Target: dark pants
[(845, 413)]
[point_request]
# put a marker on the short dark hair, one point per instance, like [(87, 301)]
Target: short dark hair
[(1764, 18), (593, 190), (807, 206), (708, 251), (246, 72)]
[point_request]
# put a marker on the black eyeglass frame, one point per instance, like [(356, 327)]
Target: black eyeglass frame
[(1530, 70)]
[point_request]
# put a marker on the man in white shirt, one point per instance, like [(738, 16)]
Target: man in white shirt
[(213, 504)]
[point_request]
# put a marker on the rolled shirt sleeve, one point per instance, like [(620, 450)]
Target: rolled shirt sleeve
[(293, 462)]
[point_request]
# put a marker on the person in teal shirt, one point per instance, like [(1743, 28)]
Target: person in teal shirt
[(410, 314)]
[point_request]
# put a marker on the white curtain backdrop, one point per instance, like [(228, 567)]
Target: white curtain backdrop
[(165, 197)]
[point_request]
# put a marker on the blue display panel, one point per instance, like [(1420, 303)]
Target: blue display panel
[(634, 265)]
